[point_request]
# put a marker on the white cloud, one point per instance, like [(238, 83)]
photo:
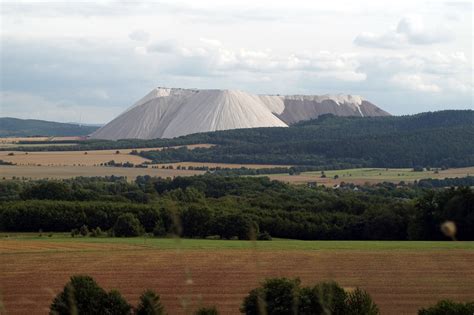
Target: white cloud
[(139, 35), (414, 82), (410, 30), (213, 58), (111, 52)]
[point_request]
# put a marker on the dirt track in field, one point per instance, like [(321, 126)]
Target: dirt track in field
[(400, 281)]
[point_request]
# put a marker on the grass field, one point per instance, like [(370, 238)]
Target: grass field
[(401, 276), (372, 175)]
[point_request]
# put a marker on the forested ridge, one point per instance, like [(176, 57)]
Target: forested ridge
[(429, 139), (434, 139), (228, 207), (14, 127)]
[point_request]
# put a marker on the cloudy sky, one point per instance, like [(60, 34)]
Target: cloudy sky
[(88, 61)]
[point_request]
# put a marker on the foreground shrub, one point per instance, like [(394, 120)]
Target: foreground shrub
[(127, 225), (285, 296), (276, 296), (150, 304), (359, 302), (323, 298), (82, 295), (448, 307), (116, 304)]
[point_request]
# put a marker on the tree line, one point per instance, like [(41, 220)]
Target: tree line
[(235, 207)]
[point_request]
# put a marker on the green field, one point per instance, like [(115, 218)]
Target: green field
[(372, 175), (276, 244), (385, 173)]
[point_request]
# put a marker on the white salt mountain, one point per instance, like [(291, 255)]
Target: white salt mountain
[(170, 112)]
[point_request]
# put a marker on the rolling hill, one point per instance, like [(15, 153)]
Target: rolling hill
[(14, 127)]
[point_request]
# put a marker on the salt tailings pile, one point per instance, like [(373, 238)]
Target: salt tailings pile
[(173, 112)]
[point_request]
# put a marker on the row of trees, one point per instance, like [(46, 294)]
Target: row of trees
[(241, 207), (278, 296)]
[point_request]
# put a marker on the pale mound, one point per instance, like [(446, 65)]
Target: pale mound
[(169, 112)]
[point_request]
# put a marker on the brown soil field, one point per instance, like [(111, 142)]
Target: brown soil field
[(71, 158), (61, 172), (400, 281)]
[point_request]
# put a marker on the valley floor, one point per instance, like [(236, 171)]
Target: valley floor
[(401, 276)]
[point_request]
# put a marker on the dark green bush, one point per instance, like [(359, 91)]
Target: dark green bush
[(82, 295), (276, 296), (264, 236), (323, 298), (448, 307), (84, 230), (285, 296), (97, 232), (127, 225), (359, 302), (150, 304)]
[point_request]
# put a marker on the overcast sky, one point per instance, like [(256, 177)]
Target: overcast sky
[(89, 60)]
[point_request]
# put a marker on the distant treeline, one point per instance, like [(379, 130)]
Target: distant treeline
[(439, 139), (442, 139), (446, 182), (240, 207)]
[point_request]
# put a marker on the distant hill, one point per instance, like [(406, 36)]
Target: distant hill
[(14, 127)]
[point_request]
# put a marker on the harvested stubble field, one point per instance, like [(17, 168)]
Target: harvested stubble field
[(62, 172), (82, 158), (401, 276), (39, 139)]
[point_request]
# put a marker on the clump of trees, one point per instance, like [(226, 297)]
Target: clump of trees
[(82, 295), (287, 296), (448, 307)]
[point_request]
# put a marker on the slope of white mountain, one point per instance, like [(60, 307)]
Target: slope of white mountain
[(170, 112)]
